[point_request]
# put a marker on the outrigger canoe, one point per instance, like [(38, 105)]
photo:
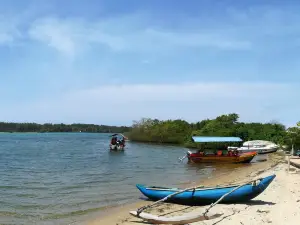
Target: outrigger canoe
[(205, 196), (222, 156)]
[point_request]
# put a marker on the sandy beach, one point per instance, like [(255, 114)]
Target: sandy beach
[(278, 204)]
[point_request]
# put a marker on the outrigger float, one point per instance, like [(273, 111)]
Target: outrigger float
[(219, 155)]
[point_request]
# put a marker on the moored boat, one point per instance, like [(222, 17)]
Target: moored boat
[(260, 146), (238, 158), (219, 155), (204, 196)]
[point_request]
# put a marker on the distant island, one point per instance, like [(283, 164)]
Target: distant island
[(180, 131), (48, 127)]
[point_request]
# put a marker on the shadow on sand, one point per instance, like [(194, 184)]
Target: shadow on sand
[(259, 202)]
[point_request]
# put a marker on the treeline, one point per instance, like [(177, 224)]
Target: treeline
[(48, 127), (180, 131)]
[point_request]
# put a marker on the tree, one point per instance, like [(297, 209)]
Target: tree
[(293, 137), (180, 131)]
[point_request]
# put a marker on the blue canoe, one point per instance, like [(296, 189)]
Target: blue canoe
[(206, 196)]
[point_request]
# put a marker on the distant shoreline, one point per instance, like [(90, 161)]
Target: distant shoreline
[(36, 132), (60, 128)]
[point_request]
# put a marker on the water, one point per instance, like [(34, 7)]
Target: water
[(60, 178)]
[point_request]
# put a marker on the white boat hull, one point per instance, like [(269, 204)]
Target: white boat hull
[(265, 151), (258, 150), (259, 146), (247, 150), (116, 147)]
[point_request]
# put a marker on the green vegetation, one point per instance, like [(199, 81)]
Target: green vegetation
[(169, 131), (48, 127), (180, 131), (176, 131), (293, 136)]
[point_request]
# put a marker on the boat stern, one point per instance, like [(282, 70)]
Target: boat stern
[(247, 157)]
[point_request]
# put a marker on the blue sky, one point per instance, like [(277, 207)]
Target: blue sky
[(111, 62)]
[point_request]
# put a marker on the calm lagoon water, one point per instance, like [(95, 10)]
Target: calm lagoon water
[(61, 178)]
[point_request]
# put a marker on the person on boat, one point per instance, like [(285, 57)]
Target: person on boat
[(201, 152), (235, 152), (113, 141), (123, 141), (219, 153), (119, 142)]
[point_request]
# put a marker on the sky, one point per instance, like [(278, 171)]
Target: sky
[(115, 61)]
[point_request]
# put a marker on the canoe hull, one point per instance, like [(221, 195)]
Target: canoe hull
[(208, 196), (242, 158)]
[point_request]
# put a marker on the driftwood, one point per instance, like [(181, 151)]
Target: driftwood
[(186, 218)]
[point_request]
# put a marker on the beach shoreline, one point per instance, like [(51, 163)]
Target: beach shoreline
[(120, 214)]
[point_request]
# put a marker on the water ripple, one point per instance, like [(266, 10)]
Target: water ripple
[(56, 178)]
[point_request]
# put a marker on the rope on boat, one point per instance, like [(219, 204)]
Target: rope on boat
[(182, 158), (194, 188)]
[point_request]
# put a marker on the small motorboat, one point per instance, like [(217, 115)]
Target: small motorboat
[(209, 195), (117, 142), (260, 146)]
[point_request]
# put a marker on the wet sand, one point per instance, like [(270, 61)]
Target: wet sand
[(120, 215)]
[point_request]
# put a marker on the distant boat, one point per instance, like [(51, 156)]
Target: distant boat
[(117, 144), (260, 146), (219, 155), (204, 196)]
